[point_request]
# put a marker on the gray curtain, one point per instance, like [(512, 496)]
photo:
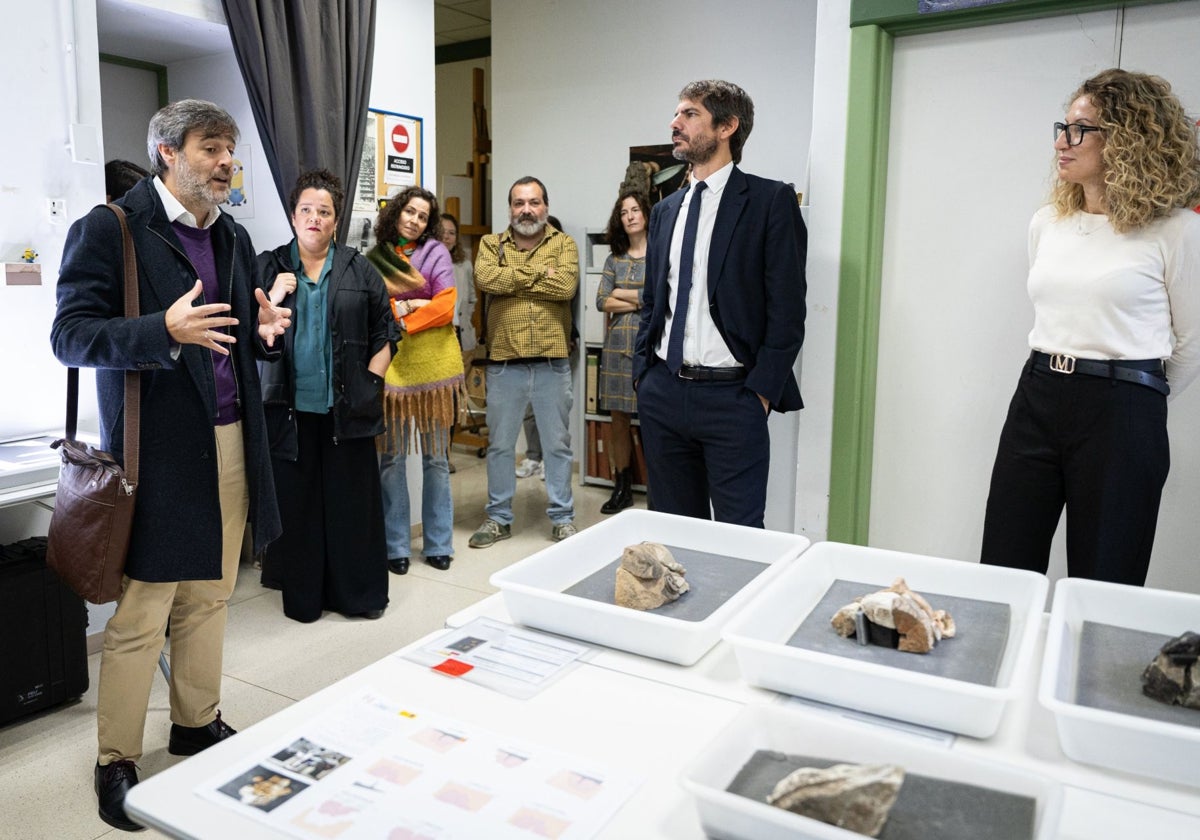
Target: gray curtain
[(307, 67)]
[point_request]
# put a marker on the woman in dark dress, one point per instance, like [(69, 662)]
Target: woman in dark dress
[(324, 407)]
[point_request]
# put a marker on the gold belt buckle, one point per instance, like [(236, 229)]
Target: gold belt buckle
[(1062, 363)]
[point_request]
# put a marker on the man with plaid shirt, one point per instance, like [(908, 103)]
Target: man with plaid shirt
[(529, 274)]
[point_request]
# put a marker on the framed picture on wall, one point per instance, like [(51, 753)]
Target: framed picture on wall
[(655, 171)]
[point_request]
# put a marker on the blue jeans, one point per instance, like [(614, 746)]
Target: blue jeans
[(437, 506), (547, 387)]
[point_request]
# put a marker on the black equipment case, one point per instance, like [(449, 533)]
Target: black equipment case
[(43, 634)]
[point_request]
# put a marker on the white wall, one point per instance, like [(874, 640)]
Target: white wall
[(970, 161), (574, 85), (403, 74), (37, 166), (824, 218)]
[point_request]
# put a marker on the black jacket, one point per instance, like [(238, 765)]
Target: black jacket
[(360, 324)]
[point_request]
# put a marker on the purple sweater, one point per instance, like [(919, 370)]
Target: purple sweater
[(433, 261)]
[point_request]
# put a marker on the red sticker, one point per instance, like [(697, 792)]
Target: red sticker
[(453, 667)]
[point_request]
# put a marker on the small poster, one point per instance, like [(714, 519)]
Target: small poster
[(400, 147), (239, 204), (399, 144)]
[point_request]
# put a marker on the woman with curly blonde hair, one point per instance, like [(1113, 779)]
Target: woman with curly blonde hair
[(1115, 282)]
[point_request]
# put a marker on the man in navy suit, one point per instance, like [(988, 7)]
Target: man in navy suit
[(721, 327)]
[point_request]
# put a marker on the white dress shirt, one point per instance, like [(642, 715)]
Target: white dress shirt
[(176, 212), (702, 342)]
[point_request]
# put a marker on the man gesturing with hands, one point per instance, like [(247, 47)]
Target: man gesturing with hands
[(204, 321)]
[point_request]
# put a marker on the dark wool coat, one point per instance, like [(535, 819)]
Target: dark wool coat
[(177, 522), (360, 324)]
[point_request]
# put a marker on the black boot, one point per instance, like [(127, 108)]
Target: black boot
[(622, 494)]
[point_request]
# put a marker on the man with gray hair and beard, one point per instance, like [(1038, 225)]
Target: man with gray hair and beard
[(529, 274), (205, 470)]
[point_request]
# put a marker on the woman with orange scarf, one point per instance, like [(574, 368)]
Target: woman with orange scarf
[(424, 378)]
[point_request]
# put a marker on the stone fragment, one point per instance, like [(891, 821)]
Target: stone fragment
[(1174, 675), (918, 626), (856, 797), (648, 577), (844, 620)]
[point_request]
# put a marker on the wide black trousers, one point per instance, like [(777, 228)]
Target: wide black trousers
[(332, 554), (1097, 445)]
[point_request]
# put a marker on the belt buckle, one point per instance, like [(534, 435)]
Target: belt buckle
[(681, 375), (1062, 363)]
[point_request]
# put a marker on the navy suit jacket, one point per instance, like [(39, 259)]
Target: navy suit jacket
[(756, 284)]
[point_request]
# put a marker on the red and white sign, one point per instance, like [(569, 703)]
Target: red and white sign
[(401, 144), (400, 138)]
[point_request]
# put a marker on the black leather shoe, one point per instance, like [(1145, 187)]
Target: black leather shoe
[(189, 740), (372, 614), (398, 565), (439, 561), (113, 781)]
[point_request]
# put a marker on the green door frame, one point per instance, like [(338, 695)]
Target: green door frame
[(875, 24), (159, 71)]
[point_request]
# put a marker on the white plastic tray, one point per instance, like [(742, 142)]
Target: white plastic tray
[(760, 633), (533, 588), (1161, 750), (730, 816)]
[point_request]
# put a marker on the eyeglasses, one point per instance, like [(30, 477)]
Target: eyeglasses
[(1075, 132)]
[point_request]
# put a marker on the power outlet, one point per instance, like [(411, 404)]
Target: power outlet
[(57, 208)]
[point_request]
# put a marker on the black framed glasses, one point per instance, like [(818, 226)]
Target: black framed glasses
[(1075, 132)]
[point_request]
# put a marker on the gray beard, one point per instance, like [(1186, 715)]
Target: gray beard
[(529, 228)]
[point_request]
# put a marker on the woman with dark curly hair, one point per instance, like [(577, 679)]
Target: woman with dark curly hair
[(324, 407), (620, 296), (425, 380), (1115, 282)]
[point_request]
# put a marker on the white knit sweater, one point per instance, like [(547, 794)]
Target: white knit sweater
[(1098, 294)]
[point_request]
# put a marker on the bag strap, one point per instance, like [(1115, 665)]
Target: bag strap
[(133, 390)]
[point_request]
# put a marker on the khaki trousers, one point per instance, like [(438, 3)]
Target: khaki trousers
[(197, 610)]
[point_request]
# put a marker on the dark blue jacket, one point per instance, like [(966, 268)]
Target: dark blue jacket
[(177, 531), (756, 283)]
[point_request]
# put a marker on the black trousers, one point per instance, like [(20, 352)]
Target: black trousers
[(705, 443), (332, 554), (1098, 446)]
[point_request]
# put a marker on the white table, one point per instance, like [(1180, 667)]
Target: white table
[(645, 728), (604, 710)]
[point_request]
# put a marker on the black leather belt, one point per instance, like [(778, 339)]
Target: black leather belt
[(696, 373), (1148, 372), (525, 360)]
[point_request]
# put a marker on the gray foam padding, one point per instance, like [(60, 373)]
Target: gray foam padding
[(1109, 675), (713, 579), (925, 808), (973, 655)]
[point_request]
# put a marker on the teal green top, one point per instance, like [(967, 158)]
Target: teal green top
[(312, 359)]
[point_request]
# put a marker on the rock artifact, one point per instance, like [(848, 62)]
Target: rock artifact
[(648, 577), (917, 625), (1174, 675), (856, 797)]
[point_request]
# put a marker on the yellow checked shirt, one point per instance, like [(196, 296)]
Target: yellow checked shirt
[(528, 312)]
